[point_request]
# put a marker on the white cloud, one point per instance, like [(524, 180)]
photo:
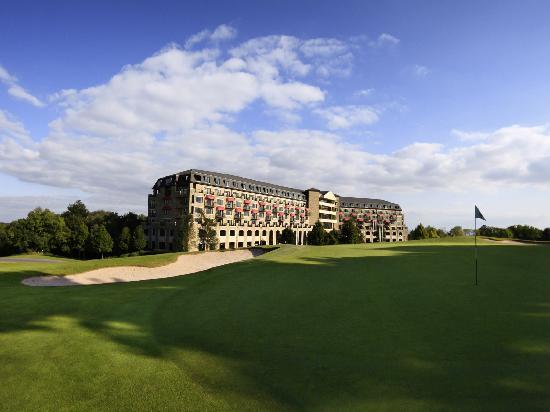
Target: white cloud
[(290, 95), (15, 90), (364, 92), (10, 127), (323, 47), (469, 136), (176, 109), (344, 117), (197, 38), (6, 77), (272, 56), (420, 71), (222, 33), (384, 40), (21, 94)]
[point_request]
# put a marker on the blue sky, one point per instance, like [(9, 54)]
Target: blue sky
[(431, 104)]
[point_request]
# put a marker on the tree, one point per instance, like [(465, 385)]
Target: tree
[(546, 234), (456, 231), (333, 237), (185, 239), (75, 218), (526, 232), (78, 237), (318, 235), (495, 232), (101, 241), (288, 236), (138, 240), (349, 233), (207, 233), (77, 209), (6, 241), (441, 233), (419, 232), (432, 232), (124, 240)]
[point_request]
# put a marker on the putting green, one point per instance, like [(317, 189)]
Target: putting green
[(348, 327)]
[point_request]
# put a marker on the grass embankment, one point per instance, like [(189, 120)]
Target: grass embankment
[(362, 327), (68, 266)]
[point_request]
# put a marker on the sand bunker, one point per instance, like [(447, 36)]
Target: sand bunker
[(186, 264), (508, 242)]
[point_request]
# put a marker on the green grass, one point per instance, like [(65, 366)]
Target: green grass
[(362, 327)]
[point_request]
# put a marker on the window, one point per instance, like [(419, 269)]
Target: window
[(241, 232), (228, 212), (231, 233), (222, 232), (249, 233), (161, 232), (198, 199), (219, 201)]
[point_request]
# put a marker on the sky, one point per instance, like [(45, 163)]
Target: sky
[(435, 105)]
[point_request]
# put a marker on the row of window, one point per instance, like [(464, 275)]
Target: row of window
[(366, 211), (246, 196), (251, 187), (162, 232), (369, 206)]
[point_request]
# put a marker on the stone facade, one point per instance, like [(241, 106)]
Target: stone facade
[(248, 212)]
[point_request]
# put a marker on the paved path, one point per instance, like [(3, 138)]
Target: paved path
[(186, 264), (30, 260)]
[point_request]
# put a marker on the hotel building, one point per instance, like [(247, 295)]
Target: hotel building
[(249, 212)]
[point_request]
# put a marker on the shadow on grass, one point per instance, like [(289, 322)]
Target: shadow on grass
[(398, 327)]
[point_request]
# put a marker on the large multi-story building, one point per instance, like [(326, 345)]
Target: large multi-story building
[(248, 212)]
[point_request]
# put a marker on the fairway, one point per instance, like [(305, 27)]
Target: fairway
[(346, 327)]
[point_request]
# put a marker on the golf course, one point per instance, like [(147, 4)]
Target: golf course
[(393, 326)]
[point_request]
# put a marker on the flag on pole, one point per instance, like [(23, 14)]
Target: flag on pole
[(478, 214)]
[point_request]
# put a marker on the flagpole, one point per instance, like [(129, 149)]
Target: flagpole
[(475, 243)]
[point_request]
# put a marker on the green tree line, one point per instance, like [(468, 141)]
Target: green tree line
[(77, 232), (523, 232)]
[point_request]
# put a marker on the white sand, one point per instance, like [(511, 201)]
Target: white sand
[(186, 264), (508, 242)]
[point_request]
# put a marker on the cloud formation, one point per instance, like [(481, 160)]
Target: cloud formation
[(420, 71), (221, 33), (384, 40), (180, 109), (345, 117), (15, 90)]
